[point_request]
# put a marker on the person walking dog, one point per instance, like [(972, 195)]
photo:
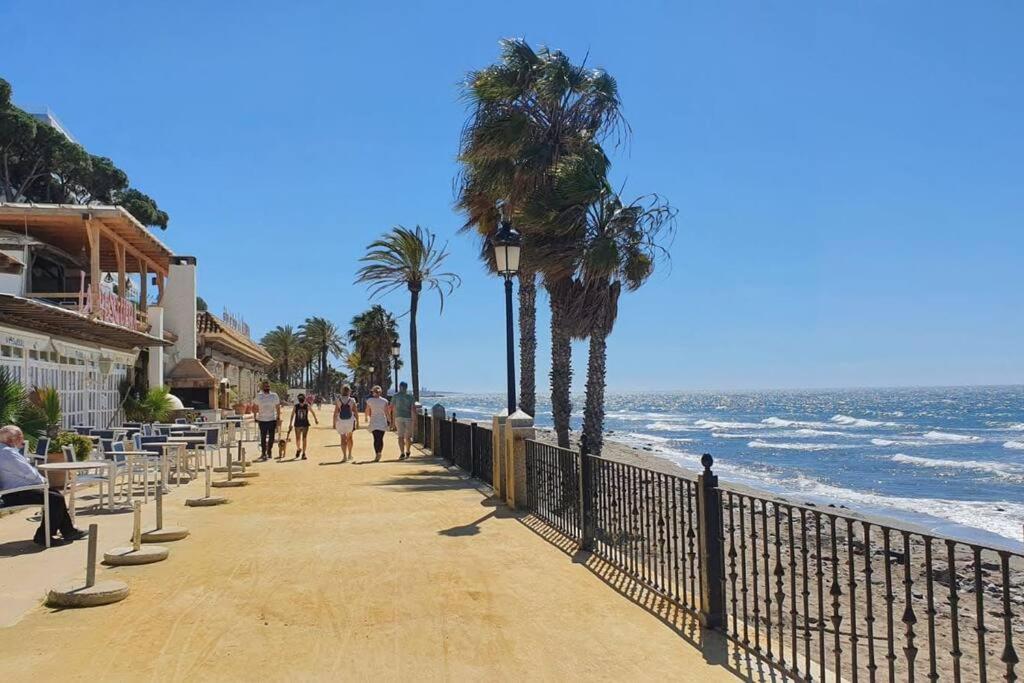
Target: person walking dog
[(300, 422), (267, 410)]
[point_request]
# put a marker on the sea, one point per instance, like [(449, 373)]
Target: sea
[(950, 460)]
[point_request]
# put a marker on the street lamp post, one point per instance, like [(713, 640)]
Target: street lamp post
[(396, 352), (507, 243)]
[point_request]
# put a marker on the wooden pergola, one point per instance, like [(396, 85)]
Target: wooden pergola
[(114, 241)]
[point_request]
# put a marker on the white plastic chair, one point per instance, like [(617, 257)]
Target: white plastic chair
[(45, 488)]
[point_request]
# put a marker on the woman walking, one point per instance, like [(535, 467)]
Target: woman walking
[(377, 413), (300, 421), (346, 420)]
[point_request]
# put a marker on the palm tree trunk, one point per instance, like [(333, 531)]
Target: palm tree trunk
[(414, 352), (561, 362), (528, 342), (593, 409), (323, 371)]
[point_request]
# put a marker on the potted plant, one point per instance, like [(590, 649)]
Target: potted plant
[(47, 400)]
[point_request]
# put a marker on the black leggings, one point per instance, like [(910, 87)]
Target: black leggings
[(267, 430), (60, 520), (378, 441)]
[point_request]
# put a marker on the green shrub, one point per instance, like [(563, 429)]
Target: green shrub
[(81, 444)]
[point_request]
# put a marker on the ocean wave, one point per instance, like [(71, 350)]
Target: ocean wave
[(952, 438), (1016, 427), (1001, 518), (800, 424), (717, 424), (757, 443), (848, 421), (999, 469), (1015, 445), (730, 435), (669, 427)]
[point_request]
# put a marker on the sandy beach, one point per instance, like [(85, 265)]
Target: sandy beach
[(322, 570)]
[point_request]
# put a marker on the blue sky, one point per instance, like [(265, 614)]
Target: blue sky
[(848, 175)]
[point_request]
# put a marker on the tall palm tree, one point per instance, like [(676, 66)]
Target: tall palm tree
[(325, 340), (530, 111), (372, 333), (284, 345), (410, 259), (622, 243)]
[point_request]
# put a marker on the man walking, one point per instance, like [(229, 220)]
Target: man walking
[(268, 413), (402, 416), (15, 472), (377, 415)]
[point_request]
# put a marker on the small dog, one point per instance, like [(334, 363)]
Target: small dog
[(282, 448)]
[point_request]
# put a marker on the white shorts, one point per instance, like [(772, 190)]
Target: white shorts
[(403, 425), (345, 426)]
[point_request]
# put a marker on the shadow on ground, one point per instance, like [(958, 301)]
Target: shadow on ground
[(713, 646)]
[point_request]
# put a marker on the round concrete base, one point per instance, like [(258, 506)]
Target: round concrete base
[(249, 474), (168, 533), (205, 502), (224, 468), (75, 594), (228, 483), (126, 555)]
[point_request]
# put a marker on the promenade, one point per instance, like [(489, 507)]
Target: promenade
[(320, 570)]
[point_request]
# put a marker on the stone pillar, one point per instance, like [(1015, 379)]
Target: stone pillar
[(155, 369), (498, 454), (518, 429)]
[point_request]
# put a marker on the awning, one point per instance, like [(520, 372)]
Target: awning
[(53, 320), (215, 333), (189, 373)]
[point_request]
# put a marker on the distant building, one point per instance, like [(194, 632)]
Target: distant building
[(44, 115)]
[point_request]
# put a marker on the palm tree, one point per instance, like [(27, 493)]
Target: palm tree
[(283, 344), (531, 110), (325, 340), (621, 246), (410, 259), (372, 332)]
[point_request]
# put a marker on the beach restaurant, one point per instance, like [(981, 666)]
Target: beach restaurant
[(74, 302)]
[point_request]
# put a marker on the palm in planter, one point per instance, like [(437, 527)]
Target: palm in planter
[(47, 400)]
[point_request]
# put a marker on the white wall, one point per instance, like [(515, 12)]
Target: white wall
[(179, 304)]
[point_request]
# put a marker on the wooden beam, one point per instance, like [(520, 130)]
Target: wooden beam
[(122, 281), (142, 258), (144, 287), (93, 232)]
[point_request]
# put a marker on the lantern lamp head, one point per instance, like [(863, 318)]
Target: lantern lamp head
[(507, 244)]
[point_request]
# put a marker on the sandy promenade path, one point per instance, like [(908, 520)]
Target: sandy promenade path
[(375, 571)]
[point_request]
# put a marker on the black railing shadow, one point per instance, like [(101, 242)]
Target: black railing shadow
[(715, 647)]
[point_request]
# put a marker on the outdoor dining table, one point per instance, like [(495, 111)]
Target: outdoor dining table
[(131, 456), (72, 468), (179, 453)]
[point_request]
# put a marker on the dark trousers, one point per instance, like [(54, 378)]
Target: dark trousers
[(378, 441), (60, 520), (267, 430)]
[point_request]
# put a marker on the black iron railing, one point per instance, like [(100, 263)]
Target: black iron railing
[(811, 590), (462, 444), (552, 486), (483, 461), (646, 523)]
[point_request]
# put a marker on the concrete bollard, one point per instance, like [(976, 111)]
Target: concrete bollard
[(207, 500), (231, 482), (92, 593), (136, 553), (160, 533)]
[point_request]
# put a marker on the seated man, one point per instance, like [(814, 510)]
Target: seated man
[(15, 472)]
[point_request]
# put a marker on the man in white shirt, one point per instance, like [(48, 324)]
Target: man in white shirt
[(15, 472), (268, 413)]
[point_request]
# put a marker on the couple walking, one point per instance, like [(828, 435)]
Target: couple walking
[(381, 415)]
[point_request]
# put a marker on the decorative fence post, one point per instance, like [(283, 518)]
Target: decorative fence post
[(472, 449), (712, 548), (451, 441), (588, 525)]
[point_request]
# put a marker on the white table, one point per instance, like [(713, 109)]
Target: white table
[(72, 468), (131, 457)]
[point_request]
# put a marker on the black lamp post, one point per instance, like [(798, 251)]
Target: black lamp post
[(506, 243), (396, 352)]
